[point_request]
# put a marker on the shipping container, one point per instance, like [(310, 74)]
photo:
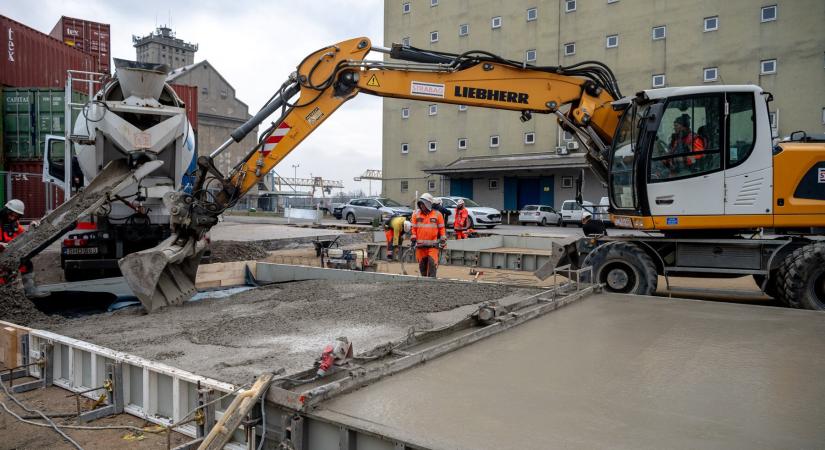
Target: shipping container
[(31, 58), (90, 37), (24, 181), (189, 95), (29, 115)]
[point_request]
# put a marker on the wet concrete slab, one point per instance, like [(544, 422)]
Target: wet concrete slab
[(614, 371)]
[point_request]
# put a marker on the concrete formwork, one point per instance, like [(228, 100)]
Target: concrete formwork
[(526, 253)]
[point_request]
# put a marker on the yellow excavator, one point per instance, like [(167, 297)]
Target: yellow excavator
[(695, 165)]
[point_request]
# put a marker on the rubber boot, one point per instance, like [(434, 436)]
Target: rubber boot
[(30, 288)]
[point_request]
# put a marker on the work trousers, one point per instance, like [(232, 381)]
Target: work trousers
[(427, 258)]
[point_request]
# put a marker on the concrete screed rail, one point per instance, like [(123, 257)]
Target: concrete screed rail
[(605, 371)]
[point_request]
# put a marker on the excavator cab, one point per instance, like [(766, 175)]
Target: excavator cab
[(692, 158)]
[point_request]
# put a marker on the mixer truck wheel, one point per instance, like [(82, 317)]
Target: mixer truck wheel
[(801, 280), (624, 268)]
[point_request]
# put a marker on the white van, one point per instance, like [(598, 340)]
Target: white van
[(602, 211), (571, 212)]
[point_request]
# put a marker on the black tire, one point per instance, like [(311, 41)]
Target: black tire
[(560, 222), (801, 277), (490, 227), (524, 224), (351, 218), (544, 221), (623, 268), (770, 289)]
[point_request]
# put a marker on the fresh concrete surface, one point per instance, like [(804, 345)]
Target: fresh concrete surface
[(280, 326), (614, 371), (230, 230)]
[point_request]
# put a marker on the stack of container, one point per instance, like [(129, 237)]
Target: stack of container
[(33, 73), (89, 37)]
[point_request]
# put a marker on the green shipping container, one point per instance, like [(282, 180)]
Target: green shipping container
[(29, 115)]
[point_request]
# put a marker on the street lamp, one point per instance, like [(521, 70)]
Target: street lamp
[(295, 176)]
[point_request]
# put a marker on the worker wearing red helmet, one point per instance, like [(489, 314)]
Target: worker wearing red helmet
[(428, 235), (462, 220), (10, 229)]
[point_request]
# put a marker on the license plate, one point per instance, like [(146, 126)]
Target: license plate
[(82, 251)]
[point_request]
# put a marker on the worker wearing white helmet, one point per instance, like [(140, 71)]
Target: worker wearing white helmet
[(428, 235), (439, 206), (10, 228), (591, 226), (461, 225)]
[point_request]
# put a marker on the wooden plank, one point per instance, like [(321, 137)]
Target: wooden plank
[(222, 432), (9, 347)]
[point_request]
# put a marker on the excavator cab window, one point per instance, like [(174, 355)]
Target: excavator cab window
[(623, 158), (741, 127), (688, 140)]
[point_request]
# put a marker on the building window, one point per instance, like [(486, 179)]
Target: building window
[(530, 56), (659, 80), (433, 2), (659, 32), (495, 22), (405, 41), (532, 14), (224, 94), (406, 8), (405, 113), (569, 48), (773, 118), (566, 182), (492, 184), (433, 36), (768, 13), (494, 140), (569, 5), (405, 185), (767, 67), (711, 23), (710, 74), (567, 136), (463, 29), (405, 148), (462, 143), (530, 138), (205, 90), (611, 1), (462, 107), (431, 185), (433, 110), (823, 116), (612, 41), (432, 146)]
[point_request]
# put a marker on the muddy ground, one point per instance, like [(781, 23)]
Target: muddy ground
[(18, 435), (280, 326)]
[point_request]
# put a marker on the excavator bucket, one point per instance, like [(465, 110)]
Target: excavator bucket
[(115, 177), (164, 275)]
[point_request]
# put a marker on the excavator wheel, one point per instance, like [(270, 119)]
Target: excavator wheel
[(801, 280), (624, 268)]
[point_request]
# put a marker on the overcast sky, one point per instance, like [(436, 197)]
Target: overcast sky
[(254, 45)]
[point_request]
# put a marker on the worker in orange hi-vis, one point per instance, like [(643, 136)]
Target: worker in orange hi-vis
[(462, 220), (429, 235)]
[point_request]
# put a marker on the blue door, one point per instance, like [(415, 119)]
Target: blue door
[(461, 187), (546, 195), (528, 192)]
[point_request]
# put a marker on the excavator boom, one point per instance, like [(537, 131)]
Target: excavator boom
[(580, 97)]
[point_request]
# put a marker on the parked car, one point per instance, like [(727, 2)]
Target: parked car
[(571, 212), (602, 211), (368, 209), (540, 215), (336, 210), (478, 215)]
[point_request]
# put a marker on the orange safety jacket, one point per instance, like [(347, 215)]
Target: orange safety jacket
[(428, 228), (461, 216), (9, 231)]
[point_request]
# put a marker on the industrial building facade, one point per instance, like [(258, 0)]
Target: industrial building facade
[(498, 161)]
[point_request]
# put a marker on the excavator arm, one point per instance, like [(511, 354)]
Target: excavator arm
[(579, 96)]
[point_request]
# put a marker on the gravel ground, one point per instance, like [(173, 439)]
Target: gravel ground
[(280, 326)]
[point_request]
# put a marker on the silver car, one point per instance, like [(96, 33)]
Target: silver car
[(539, 214), (369, 209)]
